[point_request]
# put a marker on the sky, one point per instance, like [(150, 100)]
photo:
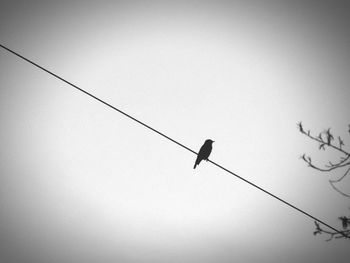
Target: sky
[(80, 182)]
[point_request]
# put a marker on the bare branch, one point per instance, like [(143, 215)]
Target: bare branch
[(341, 234), (326, 139), (329, 168), (323, 141), (339, 191), (331, 182), (341, 178), (341, 162)]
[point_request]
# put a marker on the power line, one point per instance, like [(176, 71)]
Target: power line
[(174, 141)]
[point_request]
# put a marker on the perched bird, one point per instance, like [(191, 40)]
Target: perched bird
[(204, 152)]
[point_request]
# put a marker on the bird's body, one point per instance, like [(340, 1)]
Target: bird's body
[(204, 152)]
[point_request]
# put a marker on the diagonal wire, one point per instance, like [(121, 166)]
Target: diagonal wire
[(174, 141)]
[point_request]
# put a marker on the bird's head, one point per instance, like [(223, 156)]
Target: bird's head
[(209, 141)]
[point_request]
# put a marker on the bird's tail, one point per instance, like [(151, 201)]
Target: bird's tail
[(196, 163)]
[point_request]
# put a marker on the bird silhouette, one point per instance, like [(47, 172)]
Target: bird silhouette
[(204, 152)]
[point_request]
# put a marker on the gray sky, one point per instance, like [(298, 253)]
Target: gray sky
[(81, 183)]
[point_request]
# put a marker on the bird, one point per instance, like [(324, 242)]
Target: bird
[(204, 152)]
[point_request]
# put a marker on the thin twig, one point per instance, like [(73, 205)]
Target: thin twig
[(319, 230), (320, 140), (331, 182), (344, 161)]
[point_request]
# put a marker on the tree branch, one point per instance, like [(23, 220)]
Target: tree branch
[(325, 139), (337, 181), (344, 161), (332, 166), (343, 234), (321, 141)]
